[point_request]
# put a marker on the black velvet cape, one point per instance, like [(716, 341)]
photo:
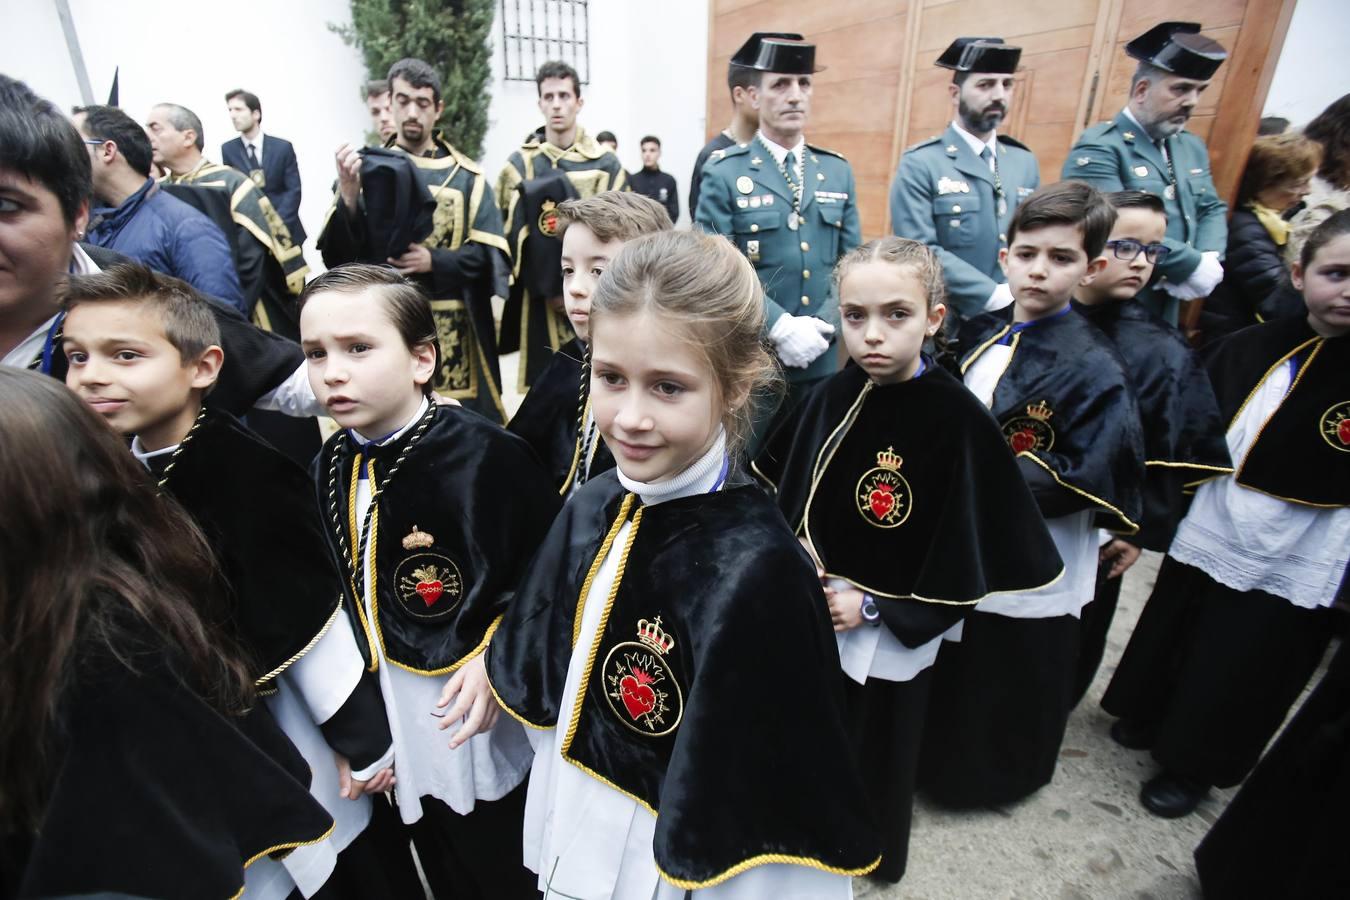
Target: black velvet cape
[(257, 510), (547, 419), (733, 736), (155, 794), (1183, 431), (1302, 454), (952, 525), (1089, 453), (452, 532)]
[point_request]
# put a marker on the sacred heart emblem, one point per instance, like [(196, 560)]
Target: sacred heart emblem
[(428, 585), (637, 693), (883, 494), (1335, 426), (1031, 431), (1022, 441), (548, 219), (882, 500), (430, 591), (639, 683)]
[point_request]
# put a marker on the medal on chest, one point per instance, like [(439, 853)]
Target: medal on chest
[(883, 495), (1031, 431), (427, 583), (1335, 426), (639, 683)]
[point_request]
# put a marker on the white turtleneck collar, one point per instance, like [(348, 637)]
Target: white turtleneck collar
[(701, 477), (144, 456)]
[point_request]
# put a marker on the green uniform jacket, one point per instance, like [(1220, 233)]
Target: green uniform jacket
[(943, 195), (1119, 156), (745, 197)]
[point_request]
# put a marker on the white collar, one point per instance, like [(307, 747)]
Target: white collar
[(780, 152), (257, 142), (702, 476), (362, 440), (976, 145), (144, 456)]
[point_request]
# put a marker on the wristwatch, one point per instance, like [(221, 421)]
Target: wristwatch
[(871, 615)]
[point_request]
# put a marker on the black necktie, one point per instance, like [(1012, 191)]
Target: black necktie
[(252, 157)]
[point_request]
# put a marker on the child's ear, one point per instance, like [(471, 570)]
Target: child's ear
[(1094, 268), (936, 315), (206, 369), (1296, 275), (1003, 261), (424, 363)]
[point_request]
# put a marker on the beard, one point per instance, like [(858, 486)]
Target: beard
[(981, 121), (412, 131), (1165, 128)]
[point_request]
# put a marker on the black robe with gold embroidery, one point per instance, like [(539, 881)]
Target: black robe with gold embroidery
[(1067, 409), (528, 324), (907, 492), (1302, 454), (450, 533), (712, 694), (1183, 431), (548, 420), (468, 266)]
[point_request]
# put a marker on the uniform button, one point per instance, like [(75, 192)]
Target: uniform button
[(805, 246), (1003, 238), (956, 209), (806, 273), (754, 228), (806, 301)]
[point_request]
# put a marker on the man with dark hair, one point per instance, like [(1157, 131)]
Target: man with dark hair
[(424, 208), (378, 104), (650, 181), (140, 220), (608, 140), (1146, 148), (267, 159), (559, 161), (741, 76), (957, 192)]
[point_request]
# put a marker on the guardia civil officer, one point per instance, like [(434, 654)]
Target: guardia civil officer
[(957, 192), (1146, 148), (791, 208)]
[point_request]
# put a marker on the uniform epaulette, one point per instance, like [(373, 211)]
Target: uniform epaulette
[(465, 162), (827, 151), (932, 140), (728, 152), (1013, 142), (1099, 129)]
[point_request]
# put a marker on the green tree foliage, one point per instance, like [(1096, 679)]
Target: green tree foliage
[(451, 35)]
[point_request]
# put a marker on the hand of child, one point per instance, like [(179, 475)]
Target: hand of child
[(348, 158), (351, 789), (470, 685), (798, 340), (1123, 554), (845, 608)]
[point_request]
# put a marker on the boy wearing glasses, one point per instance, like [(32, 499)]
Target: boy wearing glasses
[(1183, 431)]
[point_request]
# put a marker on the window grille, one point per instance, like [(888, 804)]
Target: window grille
[(536, 31)]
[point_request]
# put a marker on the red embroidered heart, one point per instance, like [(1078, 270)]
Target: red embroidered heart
[(1343, 432), (639, 699), (1022, 440), (430, 591), (881, 500)]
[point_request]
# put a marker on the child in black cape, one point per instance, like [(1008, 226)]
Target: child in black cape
[(669, 646), (1002, 694), (1239, 618), (900, 484), (1183, 432), (433, 511), (555, 417), (143, 351), (127, 765)]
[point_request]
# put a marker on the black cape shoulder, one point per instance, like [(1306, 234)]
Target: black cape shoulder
[(908, 492), (1068, 411), (258, 512), (1302, 454), (452, 532), (716, 644)]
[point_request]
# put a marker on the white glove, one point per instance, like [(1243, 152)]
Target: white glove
[(799, 340), (1001, 297), (1203, 280)]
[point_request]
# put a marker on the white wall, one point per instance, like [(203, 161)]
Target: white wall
[(1314, 67)]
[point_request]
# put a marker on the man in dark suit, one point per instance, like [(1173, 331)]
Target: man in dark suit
[(269, 161)]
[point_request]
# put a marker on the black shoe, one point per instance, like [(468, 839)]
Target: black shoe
[(1172, 796), (1132, 734)]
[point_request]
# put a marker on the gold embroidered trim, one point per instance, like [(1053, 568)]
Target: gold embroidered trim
[(1131, 526), (289, 845), (1262, 380), (576, 458), (762, 860), (986, 345), (595, 564), (337, 611), (1201, 467), (876, 593), (354, 530), (482, 645), (1303, 370)]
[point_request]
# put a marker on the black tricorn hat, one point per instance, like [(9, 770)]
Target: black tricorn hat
[(1179, 48), (980, 54), (785, 55), (749, 51)]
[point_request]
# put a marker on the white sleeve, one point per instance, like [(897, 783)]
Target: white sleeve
[(294, 396), (374, 768), (326, 676), (780, 881)]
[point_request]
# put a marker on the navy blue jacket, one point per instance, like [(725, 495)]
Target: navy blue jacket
[(280, 177), (170, 237)]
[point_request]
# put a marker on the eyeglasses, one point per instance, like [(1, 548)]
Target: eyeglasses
[(1130, 250)]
